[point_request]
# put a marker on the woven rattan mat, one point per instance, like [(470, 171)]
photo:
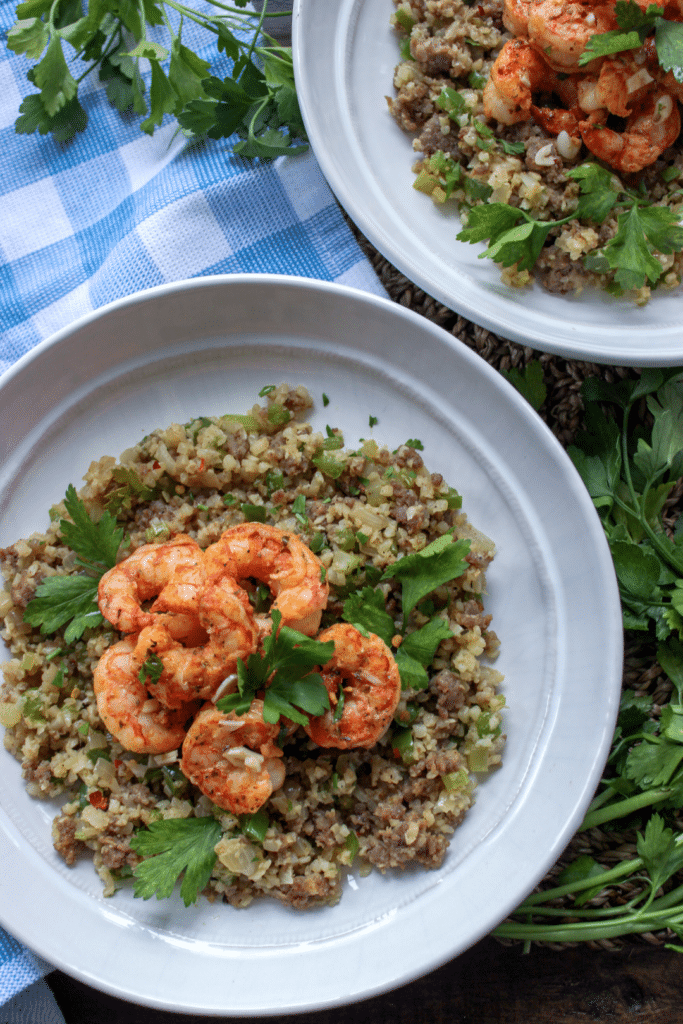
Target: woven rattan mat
[(562, 411)]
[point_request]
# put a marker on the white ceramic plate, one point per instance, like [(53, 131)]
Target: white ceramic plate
[(345, 53), (207, 346)]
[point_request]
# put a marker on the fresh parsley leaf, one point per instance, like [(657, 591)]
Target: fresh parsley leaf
[(61, 598), (515, 236), (73, 599), (529, 382), (171, 848), (669, 43), (419, 574), (662, 852), (417, 651), (95, 542), (422, 643), (366, 609)]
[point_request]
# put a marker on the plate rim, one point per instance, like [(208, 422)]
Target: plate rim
[(389, 307)]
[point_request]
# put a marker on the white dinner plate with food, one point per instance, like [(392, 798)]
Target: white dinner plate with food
[(345, 54), (207, 347)]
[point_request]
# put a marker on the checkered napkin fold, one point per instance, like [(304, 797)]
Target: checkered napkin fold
[(116, 211)]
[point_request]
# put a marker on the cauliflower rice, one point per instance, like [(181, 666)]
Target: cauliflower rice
[(388, 807)]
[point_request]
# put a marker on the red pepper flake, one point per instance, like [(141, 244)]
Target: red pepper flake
[(118, 764), (99, 800), (202, 466), (156, 465)]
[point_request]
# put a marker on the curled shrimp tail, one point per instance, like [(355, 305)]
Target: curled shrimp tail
[(363, 680), (127, 710), (233, 759)]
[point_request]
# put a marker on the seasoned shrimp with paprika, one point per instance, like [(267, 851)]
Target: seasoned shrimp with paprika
[(517, 74), (174, 569), (138, 721), (194, 666), (281, 560), (233, 759), (560, 31), (364, 687), (653, 125)]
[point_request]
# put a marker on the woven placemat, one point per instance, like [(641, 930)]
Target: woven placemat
[(562, 411)]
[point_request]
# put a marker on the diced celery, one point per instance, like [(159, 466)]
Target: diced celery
[(403, 746), (479, 759), (352, 845), (455, 780)]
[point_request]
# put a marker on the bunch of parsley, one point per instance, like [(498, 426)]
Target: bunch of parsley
[(630, 457), (118, 39)]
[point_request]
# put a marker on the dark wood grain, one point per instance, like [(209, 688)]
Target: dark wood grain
[(489, 984)]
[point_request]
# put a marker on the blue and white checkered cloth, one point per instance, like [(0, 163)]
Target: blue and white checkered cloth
[(114, 212)]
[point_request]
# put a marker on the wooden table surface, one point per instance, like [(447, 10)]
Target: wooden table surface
[(488, 984)]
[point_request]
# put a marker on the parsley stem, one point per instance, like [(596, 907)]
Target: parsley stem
[(587, 931), (610, 877), (620, 808)]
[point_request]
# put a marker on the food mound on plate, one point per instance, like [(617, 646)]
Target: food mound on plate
[(555, 128), (245, 657)]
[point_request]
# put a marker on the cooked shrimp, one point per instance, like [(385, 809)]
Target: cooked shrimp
[(519, 71), (652, 127), (145, 574), (281, 560), (195, 668), (233, 759), (516, 16), (561, 30), (622, 82), (363, 671), (137, 720)]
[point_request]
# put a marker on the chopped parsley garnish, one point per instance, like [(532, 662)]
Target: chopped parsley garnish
[(171, 848), (151, 669), (254, 513), (71, 601), (372, 421), (299, 510), (284, 670)]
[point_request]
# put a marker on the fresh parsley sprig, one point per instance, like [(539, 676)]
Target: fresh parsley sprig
[(630, 474), (419, 574), (643, 229), (73, 599), (171, 848), (257, 99), (284, 672)]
